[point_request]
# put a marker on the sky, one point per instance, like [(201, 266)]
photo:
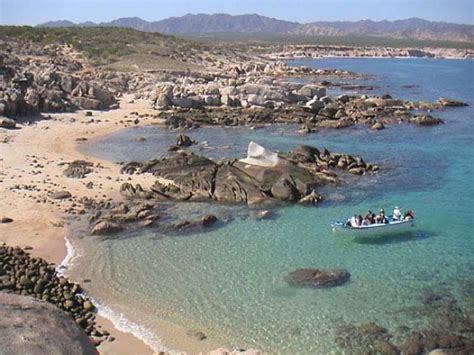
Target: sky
[(33, 12)]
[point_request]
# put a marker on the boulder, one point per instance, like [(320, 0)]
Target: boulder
[(233, 185), (311, 198), (377, 126), (31, 326), (129, 191), (184, 141), (68, 83), (443, 101), (7, 123), (212, 100), (60, 195), (208, 220), (315, 278), (305, 154), (186, 102), (312, 91), (163, 100), (426, 120), (86, 103), (106, 228), (314, 105), (285, 189), (6, 220), (105, 97), (78, 169)]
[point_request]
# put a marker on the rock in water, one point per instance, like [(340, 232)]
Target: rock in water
[(106, 228), (208, 220), (311, 198), (31, 326), (443, 101), (184, 141), (315, 278), (426, 120), (377, 126)]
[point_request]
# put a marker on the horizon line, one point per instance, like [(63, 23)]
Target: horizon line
[(244, 14)]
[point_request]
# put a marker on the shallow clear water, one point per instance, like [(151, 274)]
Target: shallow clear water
[(229, 282)]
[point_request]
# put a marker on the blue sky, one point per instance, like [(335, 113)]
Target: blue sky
[(32, 12)]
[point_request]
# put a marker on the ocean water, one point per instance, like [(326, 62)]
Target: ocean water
[(229, 282)]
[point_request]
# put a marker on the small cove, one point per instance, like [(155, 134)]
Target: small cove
[(229, 282)]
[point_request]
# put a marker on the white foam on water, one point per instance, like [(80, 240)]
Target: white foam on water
[(119, 321), (67, 261), (124, 325)]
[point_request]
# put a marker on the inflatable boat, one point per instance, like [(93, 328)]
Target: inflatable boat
[(375, 229)]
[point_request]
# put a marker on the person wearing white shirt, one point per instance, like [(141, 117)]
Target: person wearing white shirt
[(397, 215)]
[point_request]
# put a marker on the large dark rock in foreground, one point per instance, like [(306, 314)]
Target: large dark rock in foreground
[(318, 278), (31, 326)]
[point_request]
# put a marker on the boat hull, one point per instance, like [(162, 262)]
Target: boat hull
[(340, 228)]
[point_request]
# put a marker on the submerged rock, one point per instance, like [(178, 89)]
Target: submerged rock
[(208, 220), (315, 278)]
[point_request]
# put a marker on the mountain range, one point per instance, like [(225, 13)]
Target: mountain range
[(221, 25)]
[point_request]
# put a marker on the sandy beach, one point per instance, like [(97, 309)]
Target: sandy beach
[(31, 158)]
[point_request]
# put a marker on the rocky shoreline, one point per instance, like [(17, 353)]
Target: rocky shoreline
[(22, 274), (325, 51), (50, 86)]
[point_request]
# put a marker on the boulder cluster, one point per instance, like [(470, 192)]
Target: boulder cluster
[(195, 102), (54, 78), (295, 178), (22, 274)]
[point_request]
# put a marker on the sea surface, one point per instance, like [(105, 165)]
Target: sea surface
[(230, 281)]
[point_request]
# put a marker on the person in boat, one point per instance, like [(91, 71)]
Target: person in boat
[(353, 221), (381, 219), (370, 217), (366, 222), (397, 215), (360, 220), (409, 215)]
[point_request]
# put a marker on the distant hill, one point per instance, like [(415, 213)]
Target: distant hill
[(218, 25)]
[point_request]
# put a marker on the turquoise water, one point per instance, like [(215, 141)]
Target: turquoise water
[(229, 282)]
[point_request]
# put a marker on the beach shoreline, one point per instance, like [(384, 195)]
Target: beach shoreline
[(30, 159)]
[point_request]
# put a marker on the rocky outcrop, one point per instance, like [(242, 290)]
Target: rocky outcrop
[(24, 275), (49, 80), (295, 177), (315, 278), (32, 326), (134, 192)]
